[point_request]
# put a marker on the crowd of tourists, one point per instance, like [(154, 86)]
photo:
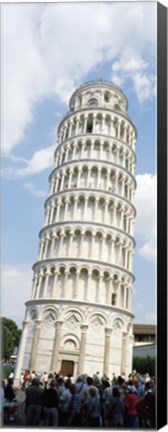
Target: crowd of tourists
[(87, 401)]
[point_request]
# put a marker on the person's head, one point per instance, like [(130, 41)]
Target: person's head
[(80, 378), (60, 381), (36, 381), (96, 381), (89, 380), (114, 380), (92, 391), (72, 388), (10, 381), (120, 380), (67, 383), (116, 392), (53, 383), (148, 385)]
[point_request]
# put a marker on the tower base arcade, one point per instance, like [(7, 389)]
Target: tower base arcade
[(76, 338)]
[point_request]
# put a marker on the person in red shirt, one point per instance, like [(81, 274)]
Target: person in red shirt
[(132, 413)]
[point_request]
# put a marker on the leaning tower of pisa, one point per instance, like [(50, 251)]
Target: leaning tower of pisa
[(79, 317)]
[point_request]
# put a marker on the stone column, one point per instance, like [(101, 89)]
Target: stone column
[(70, 129), (74, 151), (85, 208), (123, 352), (66, 153), (114, 213), (57, 211), (20, 355), (105, 211), (75, 294), (85, 124), (125, 133), (112, 249), (99, 288), (47, 215), (84, 328), (75, 207), (125, 295), (47, 277), (52, 186), (77, 126), (46, 246), (34, 282), (39, 285), (52, 213), (70, 179), (119, 294), (55, 284), (62, 180), (33, 357), (66, 208), (88, 179), (107, 351), (98, 178), (41, 249), (87, 292), (81, 244), (54, 236), (56, 183), (119, 129), (78, 178), (56, 347)]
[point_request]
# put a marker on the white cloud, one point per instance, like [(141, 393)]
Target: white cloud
[(16, 283), (36, 192), (48, 49), (132, 66), (41, 160), (146, 220), (148, 251)]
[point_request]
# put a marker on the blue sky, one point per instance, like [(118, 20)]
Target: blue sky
[(47, 51)]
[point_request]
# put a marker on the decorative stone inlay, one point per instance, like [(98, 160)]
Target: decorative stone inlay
[(49, 318), (72, 320), (117, 325), (33, 315), (97, 324)]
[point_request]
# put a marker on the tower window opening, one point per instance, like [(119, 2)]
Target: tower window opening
[(107, 97), (89, 126), (117, 107), (92, 103), (113, 299)]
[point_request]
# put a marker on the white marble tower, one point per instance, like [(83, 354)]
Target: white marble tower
[(79, 317)]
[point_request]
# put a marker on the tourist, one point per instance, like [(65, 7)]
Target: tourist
[(115, 410), (50, 401), (44, 379), (9, 393), (21, 381), (93, 414), (33, 403), (130, 400), (26, 379), (64, 402), (74, 417)]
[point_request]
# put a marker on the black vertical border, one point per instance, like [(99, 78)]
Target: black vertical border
[(161, 216)]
